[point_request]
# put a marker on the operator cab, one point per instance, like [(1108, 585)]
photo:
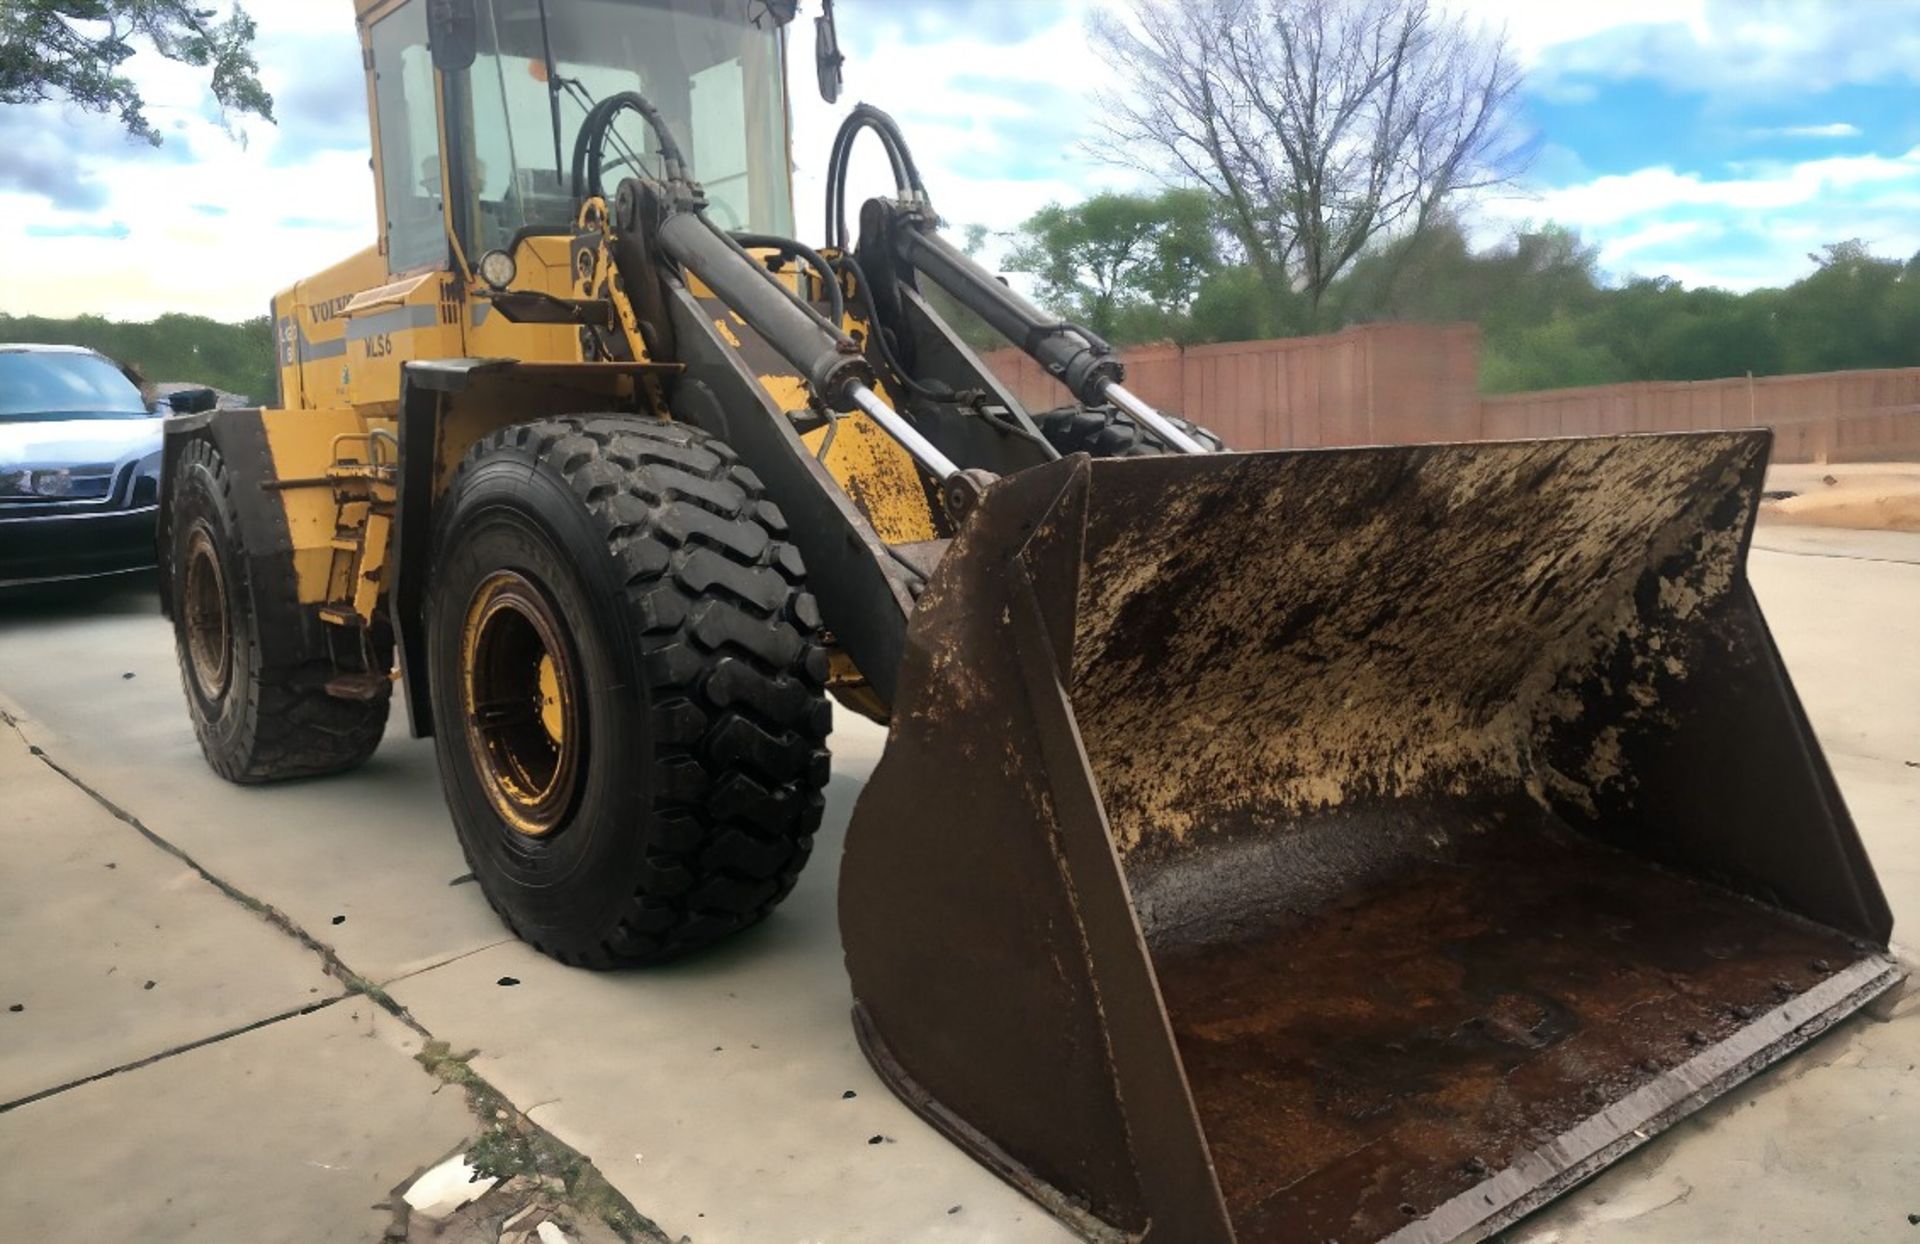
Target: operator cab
[(514, 81)]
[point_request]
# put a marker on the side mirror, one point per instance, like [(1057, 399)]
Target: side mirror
[(193, 401), (453, 33), (827, 59)]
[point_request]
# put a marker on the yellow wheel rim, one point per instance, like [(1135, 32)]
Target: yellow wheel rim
[(524, 715), (203, 603), (553, 717)]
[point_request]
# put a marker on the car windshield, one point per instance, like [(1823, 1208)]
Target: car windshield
[(712, 67), (36, 385)]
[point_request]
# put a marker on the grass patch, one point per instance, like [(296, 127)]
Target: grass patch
[(356, 983), (511, 1144)]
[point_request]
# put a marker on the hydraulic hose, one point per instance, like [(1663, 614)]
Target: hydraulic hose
[(906, 174), (836, 297), (1075, 356), (589, 152)]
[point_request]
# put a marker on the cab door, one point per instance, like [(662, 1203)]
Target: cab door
[(415, 313)]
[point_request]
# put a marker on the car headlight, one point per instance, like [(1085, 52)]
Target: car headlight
[(53, 483), (17, 482)]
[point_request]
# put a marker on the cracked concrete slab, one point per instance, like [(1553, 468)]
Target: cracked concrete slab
[(712, 1093), (375, 847), (115, 950), (294, 1132)]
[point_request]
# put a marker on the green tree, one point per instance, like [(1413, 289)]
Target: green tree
[(1434, 276), (237, 358), (1240, 303), (77, 50), (1127, 265), (1853, 310), (1551, 355)]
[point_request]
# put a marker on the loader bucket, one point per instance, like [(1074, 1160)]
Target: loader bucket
[(1349, 844)]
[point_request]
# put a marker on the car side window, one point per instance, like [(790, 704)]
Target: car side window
[(409, 141)]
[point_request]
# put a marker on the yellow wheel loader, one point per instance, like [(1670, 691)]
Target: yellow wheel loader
[(1354, 844)]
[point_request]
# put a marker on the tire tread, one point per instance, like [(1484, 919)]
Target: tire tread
[(716, 606), (292, 727)]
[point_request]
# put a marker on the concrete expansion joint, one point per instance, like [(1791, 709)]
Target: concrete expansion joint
[(508, 1136), (265, 910), (163, 1055), (1845, 557), (351, 981)]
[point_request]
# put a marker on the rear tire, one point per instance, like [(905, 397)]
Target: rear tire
[(1103, 432), (627, 686), (255, 687)]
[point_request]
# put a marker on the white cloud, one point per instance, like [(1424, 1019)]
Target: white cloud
[(1534, 28), (1656, 234), (1836, 129), (1741, 231), (1738, 48), (1616, 198)]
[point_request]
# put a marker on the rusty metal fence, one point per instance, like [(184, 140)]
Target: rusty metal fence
[(1409, 383)]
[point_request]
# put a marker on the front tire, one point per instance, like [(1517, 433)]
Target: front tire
[(255, 685), (627, 687)]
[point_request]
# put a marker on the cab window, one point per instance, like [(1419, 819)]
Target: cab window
[(403, 92), (713, 67)]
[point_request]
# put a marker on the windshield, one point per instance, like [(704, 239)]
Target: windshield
[(38, 385), (711, 66)]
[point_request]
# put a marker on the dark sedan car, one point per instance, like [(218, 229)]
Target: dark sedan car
[(79, 467)]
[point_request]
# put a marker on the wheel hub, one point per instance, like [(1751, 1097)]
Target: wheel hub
[(524, 712), (204, 606)]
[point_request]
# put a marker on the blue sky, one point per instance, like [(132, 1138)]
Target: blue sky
[(1715, 141), (1722, 142)]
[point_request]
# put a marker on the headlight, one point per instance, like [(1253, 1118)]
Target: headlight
[(16, 482), (497, 269)]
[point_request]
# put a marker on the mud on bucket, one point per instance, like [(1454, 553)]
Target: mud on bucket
[(1347, 844)]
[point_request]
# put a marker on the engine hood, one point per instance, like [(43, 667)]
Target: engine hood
[(78, 442)]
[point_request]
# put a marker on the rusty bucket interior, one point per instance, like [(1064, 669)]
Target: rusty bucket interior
[(1348, 844)]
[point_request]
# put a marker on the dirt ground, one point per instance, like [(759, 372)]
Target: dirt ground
[(1878, 496)]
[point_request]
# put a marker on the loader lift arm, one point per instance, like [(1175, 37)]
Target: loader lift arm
[(673, 213), (900, 239)]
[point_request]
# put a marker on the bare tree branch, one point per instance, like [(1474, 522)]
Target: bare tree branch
[(1318, 124)]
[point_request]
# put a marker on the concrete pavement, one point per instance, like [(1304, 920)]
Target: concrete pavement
[(174, 1065), (712, 1094)]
